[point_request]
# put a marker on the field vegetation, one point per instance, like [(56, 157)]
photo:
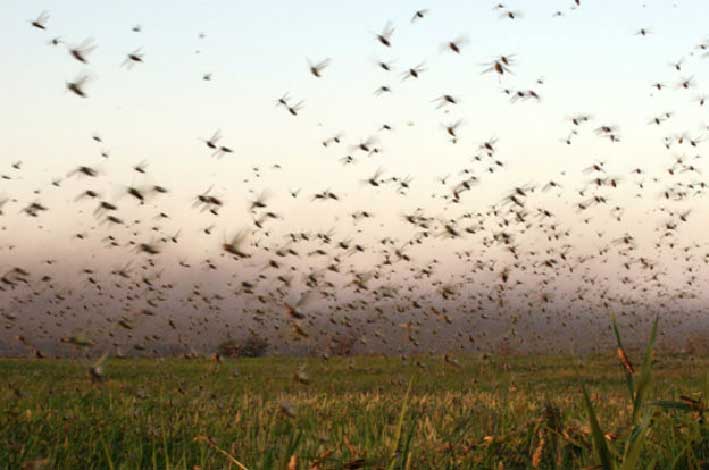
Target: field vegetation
[(469, 411)]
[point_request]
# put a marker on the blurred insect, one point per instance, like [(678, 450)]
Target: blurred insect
[(317, 68), (385, 36), (78, 85), (133, 58), (41, 21), (81, 51)]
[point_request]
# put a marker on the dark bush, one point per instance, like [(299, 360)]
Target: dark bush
[(252, 346)]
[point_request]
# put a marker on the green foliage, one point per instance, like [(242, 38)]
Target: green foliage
[(252, 346), (644, 382), (599, 440), (628, 375), (401, 452), (358, 412), (641, 422)]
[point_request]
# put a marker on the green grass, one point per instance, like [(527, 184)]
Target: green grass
[(363, 412)]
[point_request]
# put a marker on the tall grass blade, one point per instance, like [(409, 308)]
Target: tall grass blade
[(621, 355), (634, 445), (399, 430), (599, 441), (645, 373)]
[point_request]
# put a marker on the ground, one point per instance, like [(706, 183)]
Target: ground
[(358, 412)]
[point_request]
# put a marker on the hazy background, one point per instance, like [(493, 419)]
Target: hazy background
[(590, 61)]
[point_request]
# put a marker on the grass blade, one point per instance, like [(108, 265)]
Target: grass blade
[(399, 428), (599, 441), (673, 405), (645, 373), (623, 359), (635, 444)]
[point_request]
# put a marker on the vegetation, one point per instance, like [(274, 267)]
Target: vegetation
[(547, 412), (252, 346)]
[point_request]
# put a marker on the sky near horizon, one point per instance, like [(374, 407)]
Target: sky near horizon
[(588, 60)]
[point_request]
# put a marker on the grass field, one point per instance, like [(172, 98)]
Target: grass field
[(360, 412)]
